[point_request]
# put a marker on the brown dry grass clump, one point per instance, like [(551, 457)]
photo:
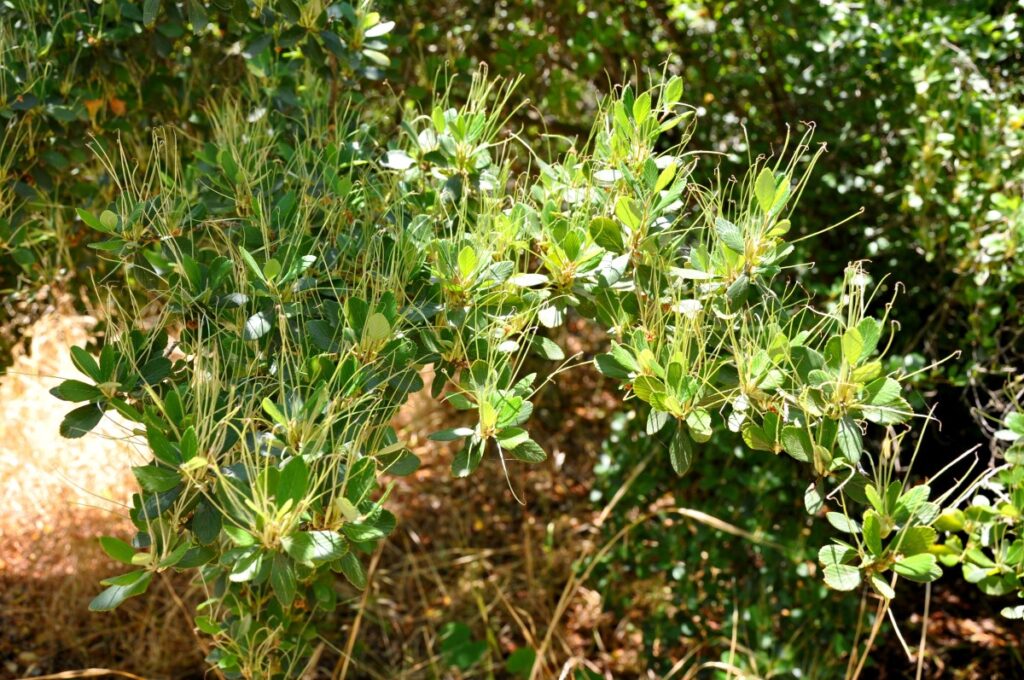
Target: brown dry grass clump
[(59, 496)]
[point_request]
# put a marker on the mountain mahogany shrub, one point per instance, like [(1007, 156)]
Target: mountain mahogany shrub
[(286, 286)]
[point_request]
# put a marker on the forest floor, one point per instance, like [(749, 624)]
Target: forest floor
[(465, 552)]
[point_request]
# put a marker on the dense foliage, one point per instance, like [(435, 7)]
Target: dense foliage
[(283, 243), (918, 103)]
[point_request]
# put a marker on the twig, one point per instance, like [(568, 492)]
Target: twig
[(924, 630), (341, 670), (86, 673)]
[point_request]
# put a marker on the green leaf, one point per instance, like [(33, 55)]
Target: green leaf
[(870, 333), (377, 327), (645, 387), (467, 262), (350, 566), (458, 648), (271, 268), (736, 293), (399, 463), (257, 325), (80, 421), (781, 228), (162, 449), (310, 547), (528, 280), (529, 451), (873, 532), (127, 410), (109, 220), (842, 577), (282, 580), (155, 370), (86, 363), (665, 177), (796, 441), (642, 108), (1016, 612), (75, 391), (917, 540), (511, 437), (1015, 423), (882, 587), (91, 220), (275, 413), (197, 16), (814, 500), (547, 348), (379, 30), (680, 451), (451, 434), (673, 90), (175, 556), (607, 233), (239, 536), (625, 358), (150, 9), (468, 458), (910, 501), (951, 520), (378, 58), (370, 529), (520, 662), (206, 522), (690, 274), (883, 392), (876, 500), (922, 568), (836, 554), (360, 480), (609, 366), (699, 422), (207, 625), (156, 478), (512, 410), (756, 438), (730, 235), (853, 345), (764, 189), (629, 212), (113, 596), (251, 263), (189, 444), (842, 522), (117, 549), (247, 567), (849, 440), (293, 481)]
